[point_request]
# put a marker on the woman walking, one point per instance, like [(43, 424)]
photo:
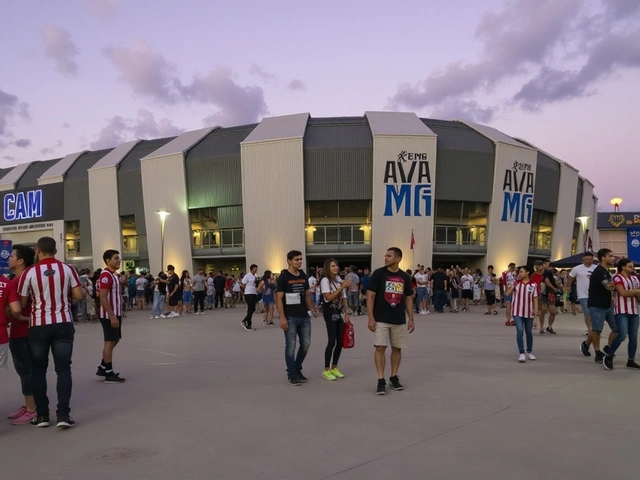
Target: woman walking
[(185, 281), (267, 287), (525, 308), (334, 291)]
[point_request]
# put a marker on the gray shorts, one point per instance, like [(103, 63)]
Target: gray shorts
[(4, 356)]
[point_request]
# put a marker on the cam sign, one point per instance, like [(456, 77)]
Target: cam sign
[(23, 205)]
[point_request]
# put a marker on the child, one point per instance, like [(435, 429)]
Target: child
[(227, 298), (524, 307)]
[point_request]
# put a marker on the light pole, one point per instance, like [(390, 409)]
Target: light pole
[(584, 221), (163, 214), (616, 204)]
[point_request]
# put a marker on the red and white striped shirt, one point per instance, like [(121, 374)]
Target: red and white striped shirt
[(523, 298), (625, 305), (110, 281), (48, 283)]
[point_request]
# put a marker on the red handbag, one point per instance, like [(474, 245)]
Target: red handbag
[(348, 337)]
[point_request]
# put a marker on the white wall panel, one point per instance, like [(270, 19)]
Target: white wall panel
[(588, 210), (106, 231), (164, 187), (273, 202), (511, 207), (565, 217)]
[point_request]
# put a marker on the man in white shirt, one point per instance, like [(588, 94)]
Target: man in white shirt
[(581, 275), (467, 288), (250, 294), (422, 291), (354, 290)]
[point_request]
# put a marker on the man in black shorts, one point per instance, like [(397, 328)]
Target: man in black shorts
[(110, 314), (173, 291), (489, 282)]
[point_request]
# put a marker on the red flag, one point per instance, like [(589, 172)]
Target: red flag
[(413, 240)]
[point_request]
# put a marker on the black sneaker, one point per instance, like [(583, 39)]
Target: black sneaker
[(395, 383), (606, 349), (382, 387), (632, 364), (113, 378), (66, 422), (585, 349), (101, 372), (541, 332), (294, 380), (244, 325), (599, 357), (40, 421), (607, 361), (302, 378), (551, 331)]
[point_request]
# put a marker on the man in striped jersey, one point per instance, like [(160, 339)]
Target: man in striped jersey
[(48, 285), (110, 314), (524, 306), (625, 308)]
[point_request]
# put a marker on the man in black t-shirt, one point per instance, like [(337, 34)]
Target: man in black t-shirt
[(173, 291), (553, 294), (439, 283), (389, 295), (601, 303), (293, 299)]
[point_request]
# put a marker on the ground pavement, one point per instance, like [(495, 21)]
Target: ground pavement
[(205, 399)]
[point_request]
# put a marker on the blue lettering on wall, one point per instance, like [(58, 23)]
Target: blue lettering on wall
[(517, 207), (402, 196), (23, 205)]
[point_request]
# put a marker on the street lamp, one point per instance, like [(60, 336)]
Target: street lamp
[(584, 221), (616, 204), (163, 214)]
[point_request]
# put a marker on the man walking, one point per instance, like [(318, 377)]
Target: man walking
[(173, 291), (250, 293), (110, 314), (49, 285), (580, 275), (389, 296), (293, 299), (198, 281), (600, 301)]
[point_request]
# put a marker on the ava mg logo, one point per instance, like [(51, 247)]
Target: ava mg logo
[(518, 187), (408, 189)]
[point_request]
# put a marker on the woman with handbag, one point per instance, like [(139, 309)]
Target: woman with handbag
[(334, 291)]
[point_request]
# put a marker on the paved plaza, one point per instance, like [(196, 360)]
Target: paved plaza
[(206, 400)]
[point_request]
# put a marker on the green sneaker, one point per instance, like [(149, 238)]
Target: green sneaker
[(327, 375), (336, 373)]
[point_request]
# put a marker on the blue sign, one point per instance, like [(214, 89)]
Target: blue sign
[(6, 247), (633, 244), (23, 205), (408, 189), (518, 185)]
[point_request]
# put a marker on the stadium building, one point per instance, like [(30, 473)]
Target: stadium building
[(446, 192)]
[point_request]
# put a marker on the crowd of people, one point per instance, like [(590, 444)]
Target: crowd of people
[(45, 297)]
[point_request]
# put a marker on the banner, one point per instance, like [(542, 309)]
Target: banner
[(633, 244), (5, 252)]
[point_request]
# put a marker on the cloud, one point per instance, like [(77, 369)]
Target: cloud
[(258, 71), (296, 84), (59, 47), (149, 74), (551, 50), (22, 143), (47, 151), (119, 130), (66, 125), (11, 108), (9, 158), (103, 8)]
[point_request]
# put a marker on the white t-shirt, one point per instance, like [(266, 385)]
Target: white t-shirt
[(313, 281), (467, 282), (249, 280), (141, 283), (209, 285), (421, 277), (354, 281), (330, 287), (582, 274)]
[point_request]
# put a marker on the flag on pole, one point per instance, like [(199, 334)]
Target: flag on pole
[(413, 240)]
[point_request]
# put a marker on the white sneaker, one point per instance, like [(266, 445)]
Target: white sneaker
[(428, 312), (156, 316), (522, 358), (163, 316), (532, 356)]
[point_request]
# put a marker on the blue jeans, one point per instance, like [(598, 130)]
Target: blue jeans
[(354, 301), (158, 304), (627, 325), (299, 327), (524, 325), (59, 339), (439, 299)]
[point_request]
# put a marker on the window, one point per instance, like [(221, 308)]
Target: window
[(207, 232), (72, 237), (541, 226), (574, 238), (129, 234), (460, 223), (344, 222)]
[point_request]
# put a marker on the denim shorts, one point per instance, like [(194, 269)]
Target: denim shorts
[(268, 300), (186, 297), (584, 304), (601, 315), (421, 294), (506, 298)]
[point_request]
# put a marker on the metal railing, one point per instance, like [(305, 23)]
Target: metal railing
[(540, 241), (130, 244), (460, 235), (217, 238), (338, 235)]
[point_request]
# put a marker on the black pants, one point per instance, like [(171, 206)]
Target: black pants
[(21, 354), (251, 308), (59, 339), (220, 297), (198, 299), (335, 332)]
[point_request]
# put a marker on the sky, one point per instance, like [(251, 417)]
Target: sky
[(90, 74)]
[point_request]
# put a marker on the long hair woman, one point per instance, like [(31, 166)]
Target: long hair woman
[(335, 304), (267, 287), (185, 281)]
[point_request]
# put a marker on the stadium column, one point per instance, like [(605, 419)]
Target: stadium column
[(164, 188), (273, 191), (511, 209), (106, 231), (404, 173), (565, 218), (589, 210)]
